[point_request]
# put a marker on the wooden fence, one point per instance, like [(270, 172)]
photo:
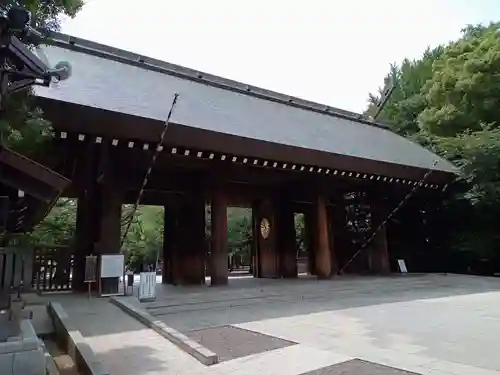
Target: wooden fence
[(53, 268), (40, 268), (16, 268)]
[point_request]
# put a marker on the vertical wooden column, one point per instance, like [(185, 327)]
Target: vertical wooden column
[(378, 255), (82, 243), (336, 222), (189, 252), (110, 220), (435, 229), (218, 249), (87, 230), (286, 238), (265, 239), (169, 229), (255, 240), (322, 241)]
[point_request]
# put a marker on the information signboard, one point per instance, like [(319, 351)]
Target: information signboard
[(111, 270), (90, 271), (112, 265)]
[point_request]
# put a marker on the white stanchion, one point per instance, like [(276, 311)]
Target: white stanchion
[(147, 287), (402, 266)]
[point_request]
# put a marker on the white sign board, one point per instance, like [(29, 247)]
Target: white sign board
[(402, 266), (147, 286), (112, 265)]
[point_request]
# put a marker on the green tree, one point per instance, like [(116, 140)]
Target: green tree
[(144, 240), (450, 100), (464, 92), (58, 227), (474, 212), (46, 13), (239, 233), (22, 126), (407, 100)]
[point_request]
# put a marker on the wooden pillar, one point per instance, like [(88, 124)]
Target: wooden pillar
[(87, 230), (110, 220), (286, 238), (437, 228), (82, 246), (218, 249), (189, 253), (255, 241), (336, 221), (169, 229), (322, 241), (107, 217), (378, 255), (264, 237)]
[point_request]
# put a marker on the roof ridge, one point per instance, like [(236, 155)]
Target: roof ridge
[(117, 54)]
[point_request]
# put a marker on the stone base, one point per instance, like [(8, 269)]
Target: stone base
[(147, 299), (22, 354), (16, 308)]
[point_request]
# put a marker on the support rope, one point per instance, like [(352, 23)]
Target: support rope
[(150, 168), (386, 220)]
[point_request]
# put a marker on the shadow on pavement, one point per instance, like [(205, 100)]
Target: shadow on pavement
[(245, 300)]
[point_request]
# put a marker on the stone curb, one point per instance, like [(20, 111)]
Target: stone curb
[(50, 365), (202, 354), (78, 349)]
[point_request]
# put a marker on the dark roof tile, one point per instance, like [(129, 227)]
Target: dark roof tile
[(107, 78)]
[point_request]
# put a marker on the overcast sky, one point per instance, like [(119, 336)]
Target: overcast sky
[(330, 51)]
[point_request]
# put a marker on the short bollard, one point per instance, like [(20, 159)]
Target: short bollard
[(130, 282)]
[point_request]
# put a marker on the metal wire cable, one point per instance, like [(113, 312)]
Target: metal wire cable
[(150, 168), (389, 217)]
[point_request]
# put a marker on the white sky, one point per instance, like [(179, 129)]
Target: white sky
[(333, 52)]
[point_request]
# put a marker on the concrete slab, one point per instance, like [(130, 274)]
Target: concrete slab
[(124, 345), (41, 320), (358, 367), (230, 342), (194, 348), (418, 323), (426, 324)]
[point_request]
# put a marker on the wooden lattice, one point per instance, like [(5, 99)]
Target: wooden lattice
[(53, 268)]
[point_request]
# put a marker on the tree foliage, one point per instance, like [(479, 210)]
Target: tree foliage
[(464, 93), (22, 126), (144, 241), (59, 225), (46, 13), (449, 100)]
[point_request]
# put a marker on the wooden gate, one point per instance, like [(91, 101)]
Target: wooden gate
[(16, 268), (53, 268)]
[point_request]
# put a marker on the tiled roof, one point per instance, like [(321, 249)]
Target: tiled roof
[(115, 80)]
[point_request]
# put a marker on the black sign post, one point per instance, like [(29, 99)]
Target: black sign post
[(90, 271)]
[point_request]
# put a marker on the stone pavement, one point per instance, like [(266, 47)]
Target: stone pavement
[(126, 346), (428, 324)]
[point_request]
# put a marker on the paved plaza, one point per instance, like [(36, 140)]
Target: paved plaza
[(426, 324)]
